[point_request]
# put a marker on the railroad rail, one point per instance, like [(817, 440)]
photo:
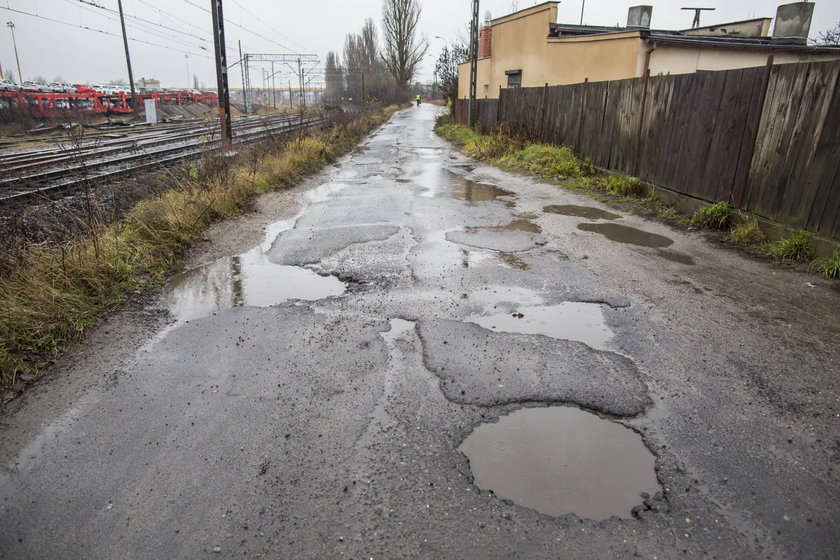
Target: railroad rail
[(33, 172)]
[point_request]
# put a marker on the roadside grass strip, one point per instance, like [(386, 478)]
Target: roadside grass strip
[(50, 295)]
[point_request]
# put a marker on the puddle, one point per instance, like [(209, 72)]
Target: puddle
[(517, 225), (560, 460), (570, 320), (472, 192), (675, 257), (589, 212), (626, 234), (248, 279), (444, 183)]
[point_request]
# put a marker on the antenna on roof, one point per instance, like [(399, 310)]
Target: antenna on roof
[(696, 23)]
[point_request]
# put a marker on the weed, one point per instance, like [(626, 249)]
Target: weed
[(827, 267), (747, 233), (795, 248), (546, 160), (716, 216), (625, 186)]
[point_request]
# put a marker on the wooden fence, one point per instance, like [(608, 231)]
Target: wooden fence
[(766, 140)]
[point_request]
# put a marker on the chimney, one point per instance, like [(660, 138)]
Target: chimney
[(793, 22), (485, 41), (639, 16)]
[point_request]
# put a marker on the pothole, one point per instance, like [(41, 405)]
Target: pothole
[(249, 279), (561, 460), (581, 212), (627, 234), (569, 320)]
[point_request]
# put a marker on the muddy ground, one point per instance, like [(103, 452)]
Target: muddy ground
[(340, 372)]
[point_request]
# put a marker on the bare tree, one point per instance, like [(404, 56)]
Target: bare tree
[(334, 77), (403, 50), (446, 70), (828, 37)]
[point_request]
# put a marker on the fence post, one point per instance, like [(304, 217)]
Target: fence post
[(739, 187), (544, 112), (582, 115), (499, 109), (638, 156)]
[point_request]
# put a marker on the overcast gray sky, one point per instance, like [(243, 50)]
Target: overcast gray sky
[(81, 42)]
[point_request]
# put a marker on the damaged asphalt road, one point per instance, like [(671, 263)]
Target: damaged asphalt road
[(312, 397)]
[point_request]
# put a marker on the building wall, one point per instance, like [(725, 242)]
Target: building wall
[(750, 28), (675, 59), (520, 41)]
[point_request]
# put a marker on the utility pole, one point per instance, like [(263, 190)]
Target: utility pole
[(300, 84), (242, 69), (473, 62), (221, 72), (187, 58), (127, 58), (273, 98), (11, 25)]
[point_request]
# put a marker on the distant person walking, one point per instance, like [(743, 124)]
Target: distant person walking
[(417, 98)]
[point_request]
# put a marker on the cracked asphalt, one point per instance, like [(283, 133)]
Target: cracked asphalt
[(328, 425)]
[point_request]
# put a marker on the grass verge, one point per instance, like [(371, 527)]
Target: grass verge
[(52, 294)]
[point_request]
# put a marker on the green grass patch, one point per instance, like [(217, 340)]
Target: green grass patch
[(795, 248), (716, 216), (630, 187), (827, 267), (49, 295), (747, 233), (546, 161)]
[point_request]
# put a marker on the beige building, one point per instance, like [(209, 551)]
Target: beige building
[(527, 48)]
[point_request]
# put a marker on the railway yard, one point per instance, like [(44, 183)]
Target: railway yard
[(42, 176)]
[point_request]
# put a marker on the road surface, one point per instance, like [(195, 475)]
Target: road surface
[(431, 358)]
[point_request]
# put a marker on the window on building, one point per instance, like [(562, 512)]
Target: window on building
[(514, 78), (486, 90)]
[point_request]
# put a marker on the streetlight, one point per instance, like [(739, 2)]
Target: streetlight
[(187, 58), (11, 26)]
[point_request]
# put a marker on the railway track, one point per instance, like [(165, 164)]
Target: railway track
[(34, 172)]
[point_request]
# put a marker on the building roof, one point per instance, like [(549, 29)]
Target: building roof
[(561, 30)]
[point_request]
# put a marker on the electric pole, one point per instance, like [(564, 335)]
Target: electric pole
[(473, 62), (11, 25), (127, 58), (221, 72)]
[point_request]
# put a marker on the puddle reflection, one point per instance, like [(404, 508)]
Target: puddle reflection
[(570, 320), (248, 279), (581, 212), (626, 234), (560, 460)]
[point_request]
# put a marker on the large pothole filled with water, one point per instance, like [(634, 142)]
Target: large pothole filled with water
[(560, 460)]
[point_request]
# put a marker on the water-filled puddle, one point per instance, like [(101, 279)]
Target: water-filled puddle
[(589, 212), (248, 279), (444, 183), (560, 460), (676, 257), (570, 320), (520, 224), (626, 234)]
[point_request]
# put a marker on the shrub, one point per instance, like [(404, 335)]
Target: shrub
[(748, 233), (795, 248), (716, 216), (546, 160), (827, 267), (625, 186)]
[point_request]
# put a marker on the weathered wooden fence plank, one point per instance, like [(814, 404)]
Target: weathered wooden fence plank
[(711, 135)]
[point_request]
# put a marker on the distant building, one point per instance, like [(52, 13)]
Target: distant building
[(528, 49), (148, 84)]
